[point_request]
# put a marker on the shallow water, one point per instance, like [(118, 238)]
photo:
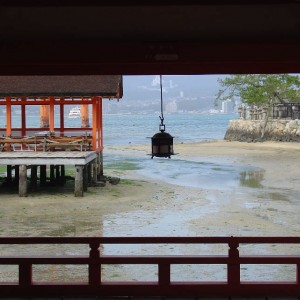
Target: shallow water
[(197, 174)]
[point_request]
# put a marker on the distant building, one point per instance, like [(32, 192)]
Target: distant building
[(227, 107), (171, 107)]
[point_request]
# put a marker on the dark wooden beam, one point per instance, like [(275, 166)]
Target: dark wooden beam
[(47, 3), (61, 58)]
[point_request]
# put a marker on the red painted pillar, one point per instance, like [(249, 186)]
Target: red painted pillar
[(94, 132), (233, 270), (62, 116), (164, 275), (51, 123), (100, 124), (85, 122), (44, 116), (8, 116), (23, 116), (94, 266)]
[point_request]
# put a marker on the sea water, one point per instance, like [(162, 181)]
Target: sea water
[(137, 129)]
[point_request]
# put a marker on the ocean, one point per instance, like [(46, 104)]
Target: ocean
[(137, 129), (185, 128)]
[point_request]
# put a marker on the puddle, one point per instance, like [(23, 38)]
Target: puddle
[(252, 205), (252, 179), (273, 195)]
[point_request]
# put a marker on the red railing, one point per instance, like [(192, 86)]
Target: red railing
[(95, 260)]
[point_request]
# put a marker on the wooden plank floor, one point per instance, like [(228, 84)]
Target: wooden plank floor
[(45, 158)]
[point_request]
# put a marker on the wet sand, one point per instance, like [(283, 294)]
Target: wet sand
[(272, 207), (269, 208), (267, 205)]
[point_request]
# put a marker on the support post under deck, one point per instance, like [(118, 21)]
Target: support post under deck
[(94, 171), (78, 181), (85, 178), (17, 174), (23, 181), (9, 174), (33, 179), (100, 173), (43, 175), (62, 175)]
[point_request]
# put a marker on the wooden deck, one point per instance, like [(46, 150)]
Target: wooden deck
[(22, 160), (42, 158)]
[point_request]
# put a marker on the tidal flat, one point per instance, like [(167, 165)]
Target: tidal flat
[(213, 188)]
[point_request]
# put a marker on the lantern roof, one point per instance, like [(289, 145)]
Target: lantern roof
[(162, 135)]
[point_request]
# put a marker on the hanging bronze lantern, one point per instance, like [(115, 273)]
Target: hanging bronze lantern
[(162, 142), (162, 145)]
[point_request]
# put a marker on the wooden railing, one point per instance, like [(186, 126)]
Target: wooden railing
[(80, 143), (164, 285)]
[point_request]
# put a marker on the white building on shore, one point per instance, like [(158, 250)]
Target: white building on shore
[(227, 107)]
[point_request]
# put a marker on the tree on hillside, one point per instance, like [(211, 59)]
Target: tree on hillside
[(261, 90)]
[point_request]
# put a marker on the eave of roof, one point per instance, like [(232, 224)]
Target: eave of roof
[(107, 86)]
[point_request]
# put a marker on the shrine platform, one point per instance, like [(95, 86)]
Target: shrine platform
[(84, 162)]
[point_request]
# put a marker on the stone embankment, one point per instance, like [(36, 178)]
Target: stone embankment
[(251, 130)]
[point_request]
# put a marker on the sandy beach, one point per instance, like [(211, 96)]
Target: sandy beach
[(265, 202)]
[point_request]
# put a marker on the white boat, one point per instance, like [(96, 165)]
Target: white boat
[(75, 112)]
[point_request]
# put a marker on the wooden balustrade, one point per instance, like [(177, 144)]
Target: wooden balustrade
[(164, 285), (80, 143)]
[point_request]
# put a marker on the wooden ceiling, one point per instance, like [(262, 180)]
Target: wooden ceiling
[(149, 37)]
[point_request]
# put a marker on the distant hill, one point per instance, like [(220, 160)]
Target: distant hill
[(141, 94), (189, 86)]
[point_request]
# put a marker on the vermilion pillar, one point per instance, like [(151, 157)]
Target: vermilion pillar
[(100, 124), (23, 115), (8, 116), (95, 115), (97, 124), (51, 121), (44, 116), (62, 117), (100, 133), (85, 122)]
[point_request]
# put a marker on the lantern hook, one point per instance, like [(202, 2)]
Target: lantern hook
[(162, 127)]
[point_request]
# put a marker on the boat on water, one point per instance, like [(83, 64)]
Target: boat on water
[(75, 112)]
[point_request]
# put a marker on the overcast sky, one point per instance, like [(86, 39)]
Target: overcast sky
[(145, 87)]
